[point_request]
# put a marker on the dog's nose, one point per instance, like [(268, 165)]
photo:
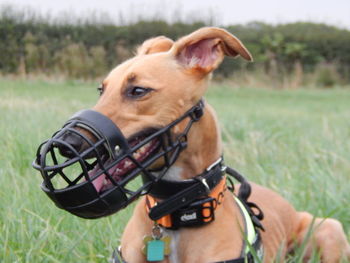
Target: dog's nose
[(74, 141)]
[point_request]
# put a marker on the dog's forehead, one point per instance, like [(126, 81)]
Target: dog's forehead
[(145, 69)]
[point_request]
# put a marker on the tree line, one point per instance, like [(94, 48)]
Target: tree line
[(88, 49)]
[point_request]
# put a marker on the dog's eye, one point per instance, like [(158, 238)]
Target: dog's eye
[(100, 89), (137, 92)]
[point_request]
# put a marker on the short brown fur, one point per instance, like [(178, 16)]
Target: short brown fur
[(179, 81)]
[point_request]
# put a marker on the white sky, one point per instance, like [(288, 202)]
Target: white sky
[(334, 12)]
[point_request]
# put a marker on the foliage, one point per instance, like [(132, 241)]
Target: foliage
[(326, 75), (31, 43)]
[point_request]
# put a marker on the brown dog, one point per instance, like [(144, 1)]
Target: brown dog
[(175, 75)]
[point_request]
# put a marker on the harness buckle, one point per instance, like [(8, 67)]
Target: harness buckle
[(204, 182)]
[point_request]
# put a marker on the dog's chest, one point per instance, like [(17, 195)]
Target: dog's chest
[(173, 174), (174, 245)]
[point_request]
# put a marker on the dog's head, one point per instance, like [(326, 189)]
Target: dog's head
[(164, 79), (147, 113)]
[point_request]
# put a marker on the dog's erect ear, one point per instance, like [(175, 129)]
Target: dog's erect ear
[(155, 45), (204, 49)]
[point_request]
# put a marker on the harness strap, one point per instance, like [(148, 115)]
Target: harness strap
[(243, 195), (250, 232), (117, 256)]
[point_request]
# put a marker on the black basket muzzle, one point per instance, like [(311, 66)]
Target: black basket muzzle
[(91, 170)]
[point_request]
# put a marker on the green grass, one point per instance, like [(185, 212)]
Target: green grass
[(295, 142)]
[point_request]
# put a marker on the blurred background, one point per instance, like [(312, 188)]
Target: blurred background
[(284, 118), (294, 43)]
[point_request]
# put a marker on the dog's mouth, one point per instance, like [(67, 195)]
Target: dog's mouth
[(102, 182)]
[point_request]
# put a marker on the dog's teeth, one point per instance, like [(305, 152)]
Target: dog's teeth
[(137, 154), (142, 149), (105, 182), (127, 164)]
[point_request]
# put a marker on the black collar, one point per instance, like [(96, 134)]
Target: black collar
[(164, 188), (178, 194)]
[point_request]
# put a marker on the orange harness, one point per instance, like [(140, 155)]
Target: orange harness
[(215, 198)]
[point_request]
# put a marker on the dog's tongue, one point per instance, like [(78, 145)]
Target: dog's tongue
[(98, 182), (116, 171), (102, 182)]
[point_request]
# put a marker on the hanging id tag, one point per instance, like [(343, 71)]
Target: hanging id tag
[(156, 246), (155, 250)]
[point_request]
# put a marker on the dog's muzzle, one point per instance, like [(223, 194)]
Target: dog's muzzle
[(91, 170)]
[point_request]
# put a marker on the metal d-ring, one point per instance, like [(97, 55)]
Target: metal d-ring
[(157, 232)]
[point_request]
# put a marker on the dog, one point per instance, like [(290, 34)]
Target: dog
[(156, 87), (178, 74)]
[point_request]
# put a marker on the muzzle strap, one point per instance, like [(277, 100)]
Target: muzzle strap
[(90, 120)]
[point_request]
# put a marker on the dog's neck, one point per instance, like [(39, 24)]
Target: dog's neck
[(204, 148)]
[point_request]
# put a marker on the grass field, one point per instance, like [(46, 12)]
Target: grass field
[(295, 142)]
